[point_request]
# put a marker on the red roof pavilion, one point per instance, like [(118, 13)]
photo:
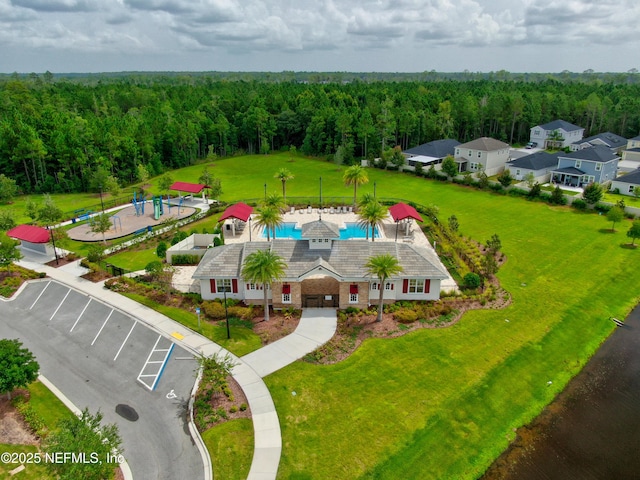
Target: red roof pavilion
[(400, 211), (187, 187), (30, 233), (240, 210)]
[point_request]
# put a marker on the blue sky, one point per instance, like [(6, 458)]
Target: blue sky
[(319, 35)]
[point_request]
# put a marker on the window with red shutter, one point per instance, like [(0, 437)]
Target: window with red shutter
[(212, 285)]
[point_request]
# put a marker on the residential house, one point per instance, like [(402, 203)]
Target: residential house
[(322, 271), (627, 184), (431, 153), (614, 142), (556, 134), (539, 164), (482, 154), (630, 156), (596, 164)]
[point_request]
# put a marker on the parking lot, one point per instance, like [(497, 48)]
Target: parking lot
[(102, 358)]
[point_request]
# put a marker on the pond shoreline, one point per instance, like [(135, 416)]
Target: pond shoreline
[(590, 429)]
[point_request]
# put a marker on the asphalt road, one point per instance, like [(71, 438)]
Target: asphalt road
[(101, 358)]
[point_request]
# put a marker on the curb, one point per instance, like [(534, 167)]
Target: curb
[(124, 466)]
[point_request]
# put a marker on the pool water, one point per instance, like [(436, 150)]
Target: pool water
[(289, 230)]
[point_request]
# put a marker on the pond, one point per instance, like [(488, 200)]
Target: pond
[(592, 429)]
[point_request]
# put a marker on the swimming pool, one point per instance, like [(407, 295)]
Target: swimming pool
[(289, 230)]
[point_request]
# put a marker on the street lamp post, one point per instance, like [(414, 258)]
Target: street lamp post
[(53, 241), (374, 189), (249, 227), (265, 192), (320, 192)]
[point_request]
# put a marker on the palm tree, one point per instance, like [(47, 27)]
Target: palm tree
[(284, 175), (263, 267), (365, 199), (274, 200), (382, 267), (371, 215), (270, 218), (355, 175)]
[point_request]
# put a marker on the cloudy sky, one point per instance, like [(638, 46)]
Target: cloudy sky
[(319, 35)]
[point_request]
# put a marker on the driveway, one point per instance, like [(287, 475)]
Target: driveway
[(103, 359)]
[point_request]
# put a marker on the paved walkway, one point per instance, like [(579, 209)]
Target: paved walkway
[(316, 327), (247, 372)]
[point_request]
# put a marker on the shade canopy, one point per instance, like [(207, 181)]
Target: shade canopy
[(241, 211), (400, 211), (30, 233), (187, 187)]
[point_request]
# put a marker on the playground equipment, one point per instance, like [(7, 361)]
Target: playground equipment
[(138, 204), (116, 222), (157, 207)]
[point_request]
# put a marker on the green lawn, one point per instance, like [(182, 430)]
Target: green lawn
[(443, 403), (51, 410), (133, 260), (242, 340), (231, 448)]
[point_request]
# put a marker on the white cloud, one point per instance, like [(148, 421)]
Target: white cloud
[(358, 32)]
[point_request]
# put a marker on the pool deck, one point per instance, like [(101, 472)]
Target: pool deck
[(412, 234)]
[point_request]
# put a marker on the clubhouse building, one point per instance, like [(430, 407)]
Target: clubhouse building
[(323, 270)]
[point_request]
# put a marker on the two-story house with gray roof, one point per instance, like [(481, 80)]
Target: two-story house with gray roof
[(482, 154), (556, 134), (630, 156), (591, 165), (322, 271)]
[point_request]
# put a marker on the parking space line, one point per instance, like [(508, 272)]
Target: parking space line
[(125, 340), (163, 363), (80, 316), (100, 331), (36, 300), (65, 297)]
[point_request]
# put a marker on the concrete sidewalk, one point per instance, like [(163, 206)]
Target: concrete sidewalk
[(316, 327)]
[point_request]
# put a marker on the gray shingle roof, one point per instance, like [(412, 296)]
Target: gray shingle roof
[(346, 259), (599, 153), (485, 144), (556, 124), (435, 148), (320, 229), (611, 140), (535, 161), (633, 178), (570, 171)]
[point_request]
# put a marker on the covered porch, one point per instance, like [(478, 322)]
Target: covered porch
[(570, 177)]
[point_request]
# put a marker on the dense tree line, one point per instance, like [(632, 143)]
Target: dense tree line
[(71, 135)]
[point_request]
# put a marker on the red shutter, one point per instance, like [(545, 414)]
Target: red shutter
[(353, 289), (234, 285), (212, 284), (392, 286), (286, 288), (405, 285), (427, 285)]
